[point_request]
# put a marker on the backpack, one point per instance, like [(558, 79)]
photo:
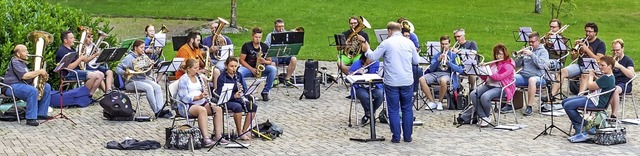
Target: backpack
[(10, 114), (269, 130), (185, 137), (117, 107)]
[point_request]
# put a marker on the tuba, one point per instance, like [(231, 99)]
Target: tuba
[(80, 48), (141, 65), (217, 38), (96, 48), (354, 47), (408, 25), (259, 66), (42, 39)]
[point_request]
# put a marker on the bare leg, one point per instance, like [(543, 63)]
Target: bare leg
[(531, 94), (237, 118), (425, 88), (109, 80), (201, 113), (247, 122), (616, 100), (443, 88), (583, 82), (217, 119), (556, 86), (291, 68), (216, 74)]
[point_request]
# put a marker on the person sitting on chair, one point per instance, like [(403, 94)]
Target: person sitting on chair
[(106, 87), (92, 79), (151, 88), (344, 61), (624, 71), (20, 78), (459, 35), (237, 104), (192, 93), (214, 46), (290, 61), (249, 61), (604, 83), (503, 74), (533, 62), (151, 49), (437, 75), (362, 90)]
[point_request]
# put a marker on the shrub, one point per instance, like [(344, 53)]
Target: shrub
[(24, 16)]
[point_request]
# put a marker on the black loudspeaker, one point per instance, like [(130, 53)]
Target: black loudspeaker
[(311, 80)]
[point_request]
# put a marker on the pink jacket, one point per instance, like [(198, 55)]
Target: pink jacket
[(505, 75)]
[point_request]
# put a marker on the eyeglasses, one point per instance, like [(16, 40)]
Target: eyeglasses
[(458, 36), (553, 26), (353, 22)]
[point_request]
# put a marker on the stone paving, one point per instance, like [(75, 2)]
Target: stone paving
[(311, 127)]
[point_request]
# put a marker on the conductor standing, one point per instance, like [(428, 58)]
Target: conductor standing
[(397, 52)]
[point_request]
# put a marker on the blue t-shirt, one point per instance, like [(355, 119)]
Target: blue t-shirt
[(62, 50), (626, 62)]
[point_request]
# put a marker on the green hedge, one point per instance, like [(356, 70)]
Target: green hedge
[(20, 17)]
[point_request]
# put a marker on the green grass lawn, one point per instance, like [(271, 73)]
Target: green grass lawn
[(487, 22)]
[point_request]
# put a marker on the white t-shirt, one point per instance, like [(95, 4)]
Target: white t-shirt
[(195, 89)]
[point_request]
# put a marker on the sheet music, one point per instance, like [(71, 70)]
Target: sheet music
[(364, 78), (160, 40), (226, 51), (227, 91), (254, 86), (524, 32), (558, 45), (381, 34), (175, 64), (433, 47), (590, 64)]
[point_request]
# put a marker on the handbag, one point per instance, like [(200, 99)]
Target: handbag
[(185, 137)]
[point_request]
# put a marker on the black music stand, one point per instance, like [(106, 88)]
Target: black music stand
[(225, 96), (104, 56), (522, 35), (291, 37), (340, 41), (169, 66), (590, 64), (178, 41), (372, 125), (550, 127), (283, 51), (68, 58)]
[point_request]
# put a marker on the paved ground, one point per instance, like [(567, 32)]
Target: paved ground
[(312, 127)]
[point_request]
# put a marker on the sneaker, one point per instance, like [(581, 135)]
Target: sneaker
[(613, 116), (506, 109), (528, 111), (364, 120), (348, 97), (265, 96), (431, 105), (580, 137), (207, 142), (32, 122), (439, 107), (485, 122)]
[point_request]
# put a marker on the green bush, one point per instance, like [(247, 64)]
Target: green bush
[(24, 16)]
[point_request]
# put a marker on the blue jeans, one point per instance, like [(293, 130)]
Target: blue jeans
[(417, 73), (481, 99), (363, 96), (571, 105), (399, 99), (269, 71), (29, 94)]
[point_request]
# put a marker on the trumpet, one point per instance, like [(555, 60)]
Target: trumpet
[(583, 40), (443, 63), (520, 52)]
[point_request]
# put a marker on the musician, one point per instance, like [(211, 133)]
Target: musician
[(397, 51), (604, 83), (249, 60), (191, 49), (101, 68), (596, 50), (237, 104), (150, 32), (436, 75), (289, 61), (412, 36), (21, 79), (503, 74), (151, 88), (345, 62), (192, 93), (207, 41), (92, 79), (459, 35), (624, 71), (554, 28), (362, 91), (532, 62)]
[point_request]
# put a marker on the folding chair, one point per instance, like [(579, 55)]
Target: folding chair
[(12, 97), (591, 110), (631, 95), (503, 99), (173, 90)]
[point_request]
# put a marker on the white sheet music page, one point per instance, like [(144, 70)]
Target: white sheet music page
[(363, 78)]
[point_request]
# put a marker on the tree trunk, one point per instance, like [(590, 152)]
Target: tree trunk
[(538, 7), (234, 15)]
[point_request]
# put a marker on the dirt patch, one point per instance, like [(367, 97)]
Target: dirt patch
[(125, 28)]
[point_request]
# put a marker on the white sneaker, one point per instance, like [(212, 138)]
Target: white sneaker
[(431, 105), (439, 107), (485, 121)]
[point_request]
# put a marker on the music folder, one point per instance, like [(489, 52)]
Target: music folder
[(160, 40), (364, 78), (381, 34), (291, 37)]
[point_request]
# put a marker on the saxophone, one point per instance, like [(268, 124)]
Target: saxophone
[(259, 66), (141, 65), (42, 39)]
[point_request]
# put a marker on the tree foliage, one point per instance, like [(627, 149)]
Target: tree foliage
[(561, 6), (20, 17)]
